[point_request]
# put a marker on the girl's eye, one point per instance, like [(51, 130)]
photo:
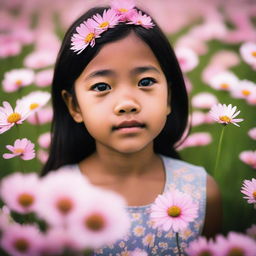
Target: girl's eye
[(101, 87), (146, 82)]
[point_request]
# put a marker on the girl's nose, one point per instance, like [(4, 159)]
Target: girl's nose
[(126, 106)]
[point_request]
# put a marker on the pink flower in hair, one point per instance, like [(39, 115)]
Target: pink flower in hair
[(22, 148), (124, 9), (86, 35), (142, 20)]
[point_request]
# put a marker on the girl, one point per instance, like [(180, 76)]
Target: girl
[(120, 107)]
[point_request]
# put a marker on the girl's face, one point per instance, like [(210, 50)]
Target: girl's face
[(122, 97)]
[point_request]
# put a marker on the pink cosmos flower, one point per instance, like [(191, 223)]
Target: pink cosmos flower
[(173, 210), (124, 9), (22, 148), (17, 78), (10, 117), (44, 140), (248, 53), (225, 81), (248, 157), (251, 231), (19, 191), (187, 58), (235, 243), (204, 100), (224, 114), (86, 35), (252, 133), (42, 155), (100, 220), (44, 78), (21, 240), (142, 20), (200, 247), (249, 189)]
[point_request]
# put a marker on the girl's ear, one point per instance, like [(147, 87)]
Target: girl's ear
[(72, 106)]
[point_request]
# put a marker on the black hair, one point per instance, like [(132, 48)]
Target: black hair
[(69, 137)]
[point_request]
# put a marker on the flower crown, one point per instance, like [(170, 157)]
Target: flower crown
[(92, 28)]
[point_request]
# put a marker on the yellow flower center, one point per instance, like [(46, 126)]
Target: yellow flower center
[(225, 119), (236, 252), (18, 151), (33, 106), (104, 24), (123, 10), (64, 205), (21, 245), (205, 253), (14, 117), (18, 82), (254, 53), (89, 37), (26, 199), (95, 222), (224, 86), (174, 211), (246, 92), (254, 194)]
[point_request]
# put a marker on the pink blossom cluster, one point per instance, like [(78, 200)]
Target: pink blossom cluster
[(79, 216)]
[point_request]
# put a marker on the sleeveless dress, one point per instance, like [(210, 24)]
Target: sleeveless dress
[(143, 238)]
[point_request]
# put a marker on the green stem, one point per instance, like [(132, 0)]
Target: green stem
[(178, 244), (218, 152)]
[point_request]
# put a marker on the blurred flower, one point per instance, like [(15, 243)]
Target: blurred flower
[(44, 78), (187, 58), (235, 244), (243, 89), (252, 133), (22, 148), (43, 116), (124, 9), (200, 247), (173, 210), (188, 84), (248, 53), (196, 139), (100, 220), (197, 118), (9, 46), (251, 231), (5, 218), (10, 117), (225, 80), (138, 252), (42, 155), (23, 35), (251, 99), (224, 114), (248, 157), (19, 191), (249, 189), (21, 240), (44, 140), (141, 19), (17, 78), (204, 100)]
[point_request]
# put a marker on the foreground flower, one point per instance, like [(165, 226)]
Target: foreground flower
[(248, 53), (10, 117), (22, 148), (21, 240), (249, 190), (173, 210), (19, 191), (248, 157), (224, 114), (200, 247), (235, 244), (17, 78)]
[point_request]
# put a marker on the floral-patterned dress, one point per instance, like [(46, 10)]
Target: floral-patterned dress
[(143, 237)]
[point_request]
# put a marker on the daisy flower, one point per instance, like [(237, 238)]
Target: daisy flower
[(22, 148), (252, 133), (224, 114), (101, 219), (224, 80), (19, 191), (21, 240), (124, 9), (17, 78), (251, 99), (42, 116), (244, 89), (248, 157), (10, 117), (248, 53), (187, 58), (200, 247), (86, 35), (173, 210), (35, 100), (142, 20), (235, 244), (249, 189), (204, 100)]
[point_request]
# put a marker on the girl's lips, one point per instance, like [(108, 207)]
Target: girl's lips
[(128, 124)]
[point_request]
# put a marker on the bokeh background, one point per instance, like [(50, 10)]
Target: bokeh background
[(214, 31)]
